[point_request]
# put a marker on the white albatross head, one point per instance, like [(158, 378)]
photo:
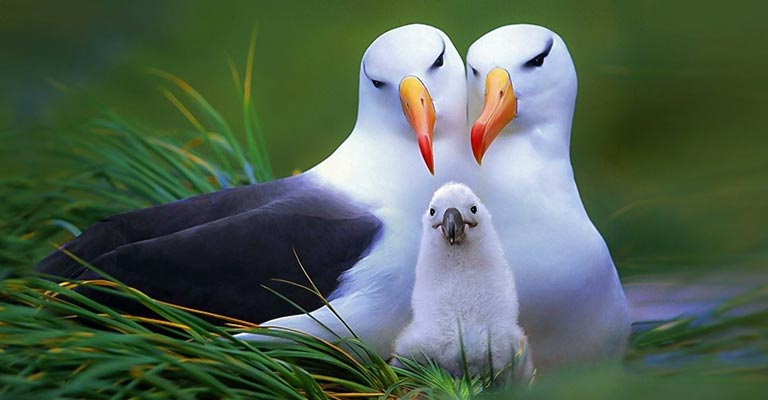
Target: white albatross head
[(456, 214), (521, 79), (412, 82)]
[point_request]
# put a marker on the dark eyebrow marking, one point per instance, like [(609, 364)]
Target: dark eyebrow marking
[(440, 56), (376, 83), (442, 40), (547, 49), (475, 72)]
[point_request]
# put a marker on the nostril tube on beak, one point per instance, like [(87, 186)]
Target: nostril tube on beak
[(453, 225)]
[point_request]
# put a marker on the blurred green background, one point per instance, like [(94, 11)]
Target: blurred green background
[(669, 144)]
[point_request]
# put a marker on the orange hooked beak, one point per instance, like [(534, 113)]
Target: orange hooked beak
[(420, 113), (499, 109)]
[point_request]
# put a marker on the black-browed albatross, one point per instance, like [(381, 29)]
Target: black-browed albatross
[(354, 219), (522, 91)]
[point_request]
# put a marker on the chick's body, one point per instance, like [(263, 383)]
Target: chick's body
[(464, 295)]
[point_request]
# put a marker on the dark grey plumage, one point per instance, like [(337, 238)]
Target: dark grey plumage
[(213, 252)]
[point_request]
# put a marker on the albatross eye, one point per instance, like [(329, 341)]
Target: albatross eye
[(473, 209), (377, 84), (537, 61), (439, 62), (431, 211)]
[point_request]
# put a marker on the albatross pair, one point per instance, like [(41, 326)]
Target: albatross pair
[(354, 219)]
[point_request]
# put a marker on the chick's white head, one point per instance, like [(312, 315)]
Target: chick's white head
[(456, 214)]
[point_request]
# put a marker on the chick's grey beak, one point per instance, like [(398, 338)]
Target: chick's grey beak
[(453, 226)]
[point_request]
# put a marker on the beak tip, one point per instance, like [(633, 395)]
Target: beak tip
[(430, 163), (478, 157), (477, 137), (425, 146)]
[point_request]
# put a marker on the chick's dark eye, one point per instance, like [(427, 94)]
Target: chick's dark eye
[(475, 72), (473, 209), (377, 84), (431, 211), (439, 62)]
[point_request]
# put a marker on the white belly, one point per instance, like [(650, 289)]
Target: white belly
[(572, 306)]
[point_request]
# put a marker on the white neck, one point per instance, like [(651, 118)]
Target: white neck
[(366, 167), (473, 270), (439, 260), (528, 181), (546, 134)]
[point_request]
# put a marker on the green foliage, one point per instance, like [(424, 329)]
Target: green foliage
[(119, 165), (46, 352), (58, 343)]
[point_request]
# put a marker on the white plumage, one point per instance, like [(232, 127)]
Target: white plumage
[(464, 291), (571, 302)]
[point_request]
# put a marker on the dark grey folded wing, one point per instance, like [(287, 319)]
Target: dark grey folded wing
[(218, 262), (153, 222)]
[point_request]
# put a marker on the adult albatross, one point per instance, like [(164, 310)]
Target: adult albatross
[(522, 90), (353, 219)]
